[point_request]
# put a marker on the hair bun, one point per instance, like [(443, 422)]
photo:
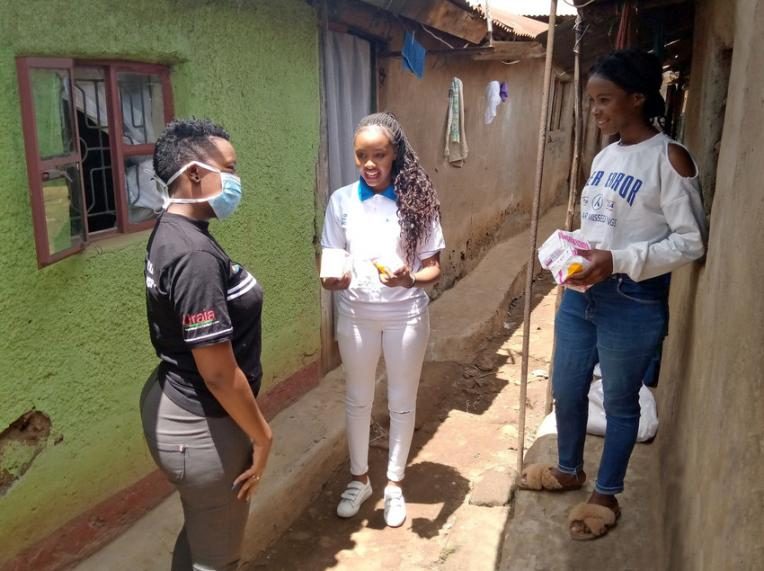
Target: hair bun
[(635, 71)]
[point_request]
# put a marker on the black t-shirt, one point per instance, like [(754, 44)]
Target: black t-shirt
[(196, 296)]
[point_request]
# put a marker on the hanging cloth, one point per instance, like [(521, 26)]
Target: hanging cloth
[(413, 55), (456, 149), (503, 91), (492, 101)]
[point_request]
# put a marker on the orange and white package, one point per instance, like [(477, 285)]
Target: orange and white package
[(559, 255), (387, 266), (381, 268), (572, 266)]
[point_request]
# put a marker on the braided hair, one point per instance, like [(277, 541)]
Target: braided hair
[(635, 71), (416, 198)]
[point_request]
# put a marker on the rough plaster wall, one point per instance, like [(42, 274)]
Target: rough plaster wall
[(711, 439), (75, 343), (491, 195)]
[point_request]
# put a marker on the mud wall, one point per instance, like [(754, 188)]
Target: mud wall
[(711, 439), (490, 197), (76, 345)]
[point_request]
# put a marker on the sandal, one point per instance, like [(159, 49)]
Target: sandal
[(539, 477), (596, 521)]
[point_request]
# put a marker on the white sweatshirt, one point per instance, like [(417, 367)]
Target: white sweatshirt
[(636, 205)]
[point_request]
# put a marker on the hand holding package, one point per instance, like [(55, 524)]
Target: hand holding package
[(335, 263), (559, 255)]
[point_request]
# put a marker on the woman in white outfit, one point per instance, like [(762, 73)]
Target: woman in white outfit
[(389, 223)]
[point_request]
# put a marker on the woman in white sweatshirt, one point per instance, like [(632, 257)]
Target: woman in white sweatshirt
[(641, 211)]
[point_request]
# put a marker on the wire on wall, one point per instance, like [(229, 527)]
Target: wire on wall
[(441, 40), (579, 6)]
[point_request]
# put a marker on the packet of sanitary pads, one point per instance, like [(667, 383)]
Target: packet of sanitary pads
[(335, 263), (558, 255)]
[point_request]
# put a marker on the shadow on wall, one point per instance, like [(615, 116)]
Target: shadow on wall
[(458, 263)]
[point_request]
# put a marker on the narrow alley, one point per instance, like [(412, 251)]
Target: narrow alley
[(215, 213), (461, 470)]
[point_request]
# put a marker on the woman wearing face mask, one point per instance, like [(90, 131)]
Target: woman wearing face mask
[(200, 418), (389, 223), (641, 211)]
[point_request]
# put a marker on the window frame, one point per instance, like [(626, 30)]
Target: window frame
[(554, 105), (119, 149), (564, 96)]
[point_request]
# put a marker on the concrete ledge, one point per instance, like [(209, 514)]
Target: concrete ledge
[(498, 278), (537, 537), (96, 527), (310, 443)]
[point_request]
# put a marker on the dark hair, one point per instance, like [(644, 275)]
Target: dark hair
[(635, 71), (417, 200), (184, 140)]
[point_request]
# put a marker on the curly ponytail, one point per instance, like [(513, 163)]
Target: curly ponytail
[(417, 200)]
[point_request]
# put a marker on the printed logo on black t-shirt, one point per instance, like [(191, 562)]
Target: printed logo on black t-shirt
[(199, 320)]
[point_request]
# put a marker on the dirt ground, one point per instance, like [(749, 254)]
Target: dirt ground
[(466, 429)]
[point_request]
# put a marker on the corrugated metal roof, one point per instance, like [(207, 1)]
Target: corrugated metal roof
[(509, 20), (525, 7)]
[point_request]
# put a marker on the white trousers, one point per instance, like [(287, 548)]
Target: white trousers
[(403, 343)]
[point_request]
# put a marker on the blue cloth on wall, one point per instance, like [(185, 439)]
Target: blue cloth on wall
[(413, 55)]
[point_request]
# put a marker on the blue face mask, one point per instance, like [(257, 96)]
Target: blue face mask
[(223, 204)]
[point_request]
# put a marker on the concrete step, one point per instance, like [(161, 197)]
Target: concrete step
[(537, 537)]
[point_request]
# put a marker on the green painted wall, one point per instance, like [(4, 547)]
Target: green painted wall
[(75, 343)]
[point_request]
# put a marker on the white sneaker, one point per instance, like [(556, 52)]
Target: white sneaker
[(354, 495), (395, 506)]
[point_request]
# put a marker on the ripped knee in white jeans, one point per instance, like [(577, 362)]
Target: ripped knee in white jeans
[(391, 411)]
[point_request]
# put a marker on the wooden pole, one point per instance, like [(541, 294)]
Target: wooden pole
[(577, 128), (574, 168), (489, 21), (543, 123), (329, 352)]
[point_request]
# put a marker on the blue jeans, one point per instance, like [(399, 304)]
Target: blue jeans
[(622, 323)]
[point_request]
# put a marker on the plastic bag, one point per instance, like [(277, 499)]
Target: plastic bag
[(597, 423)]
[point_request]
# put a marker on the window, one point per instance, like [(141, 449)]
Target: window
[(89, 134), (559, 101)]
